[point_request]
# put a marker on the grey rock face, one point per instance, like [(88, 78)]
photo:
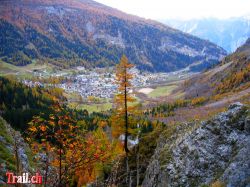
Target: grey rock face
[(219, 149), (247, 125), (22, 148)]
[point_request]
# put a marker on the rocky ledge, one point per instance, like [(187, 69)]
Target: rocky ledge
[(216, 150)]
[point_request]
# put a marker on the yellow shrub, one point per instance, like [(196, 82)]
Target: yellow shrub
[(198, 101), (218, 184)]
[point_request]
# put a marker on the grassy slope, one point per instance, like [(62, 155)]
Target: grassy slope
[(22, 71), (162, 91), (92, 107)]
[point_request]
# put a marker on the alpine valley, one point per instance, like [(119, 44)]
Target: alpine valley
[(92, 96)]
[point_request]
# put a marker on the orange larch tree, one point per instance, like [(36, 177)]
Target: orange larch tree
[(123, 109), (122, 118)]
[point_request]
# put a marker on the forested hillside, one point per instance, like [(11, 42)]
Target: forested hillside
[(19, 103), (76, 142), (86, 33)]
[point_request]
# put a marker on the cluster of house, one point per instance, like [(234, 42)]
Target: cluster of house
[(99, 84), (31, 83), (91, 84)]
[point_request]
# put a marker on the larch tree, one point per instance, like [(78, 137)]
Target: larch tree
[(121, 121)]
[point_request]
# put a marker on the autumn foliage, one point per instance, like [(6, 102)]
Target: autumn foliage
[(121, 120), (66, 151), (198, 101), (235, 80)]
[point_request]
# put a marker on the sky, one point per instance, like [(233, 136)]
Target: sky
[(182, 9)]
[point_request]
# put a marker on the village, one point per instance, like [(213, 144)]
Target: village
[(98, 82), (102, 84)]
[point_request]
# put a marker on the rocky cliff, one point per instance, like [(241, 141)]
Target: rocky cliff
[(198, 155), (15, 154)]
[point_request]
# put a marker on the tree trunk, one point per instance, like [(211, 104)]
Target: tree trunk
[(130, 180), (46, 170), (126, 132), (127, 170), (60, 168), (126, 120), (137, 166)]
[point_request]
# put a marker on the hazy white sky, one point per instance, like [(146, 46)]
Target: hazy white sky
[(181, 9)]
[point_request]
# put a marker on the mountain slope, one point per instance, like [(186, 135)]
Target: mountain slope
[(83, 32), (232, 74), (228, 33)]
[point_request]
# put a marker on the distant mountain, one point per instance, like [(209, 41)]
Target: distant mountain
[(227, 33), (82, 32)]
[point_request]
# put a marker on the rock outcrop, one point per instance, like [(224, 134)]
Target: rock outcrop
[(14, 152), (216, 150)]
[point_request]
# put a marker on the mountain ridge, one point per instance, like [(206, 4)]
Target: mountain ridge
[(228, 33), (91, 34)]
